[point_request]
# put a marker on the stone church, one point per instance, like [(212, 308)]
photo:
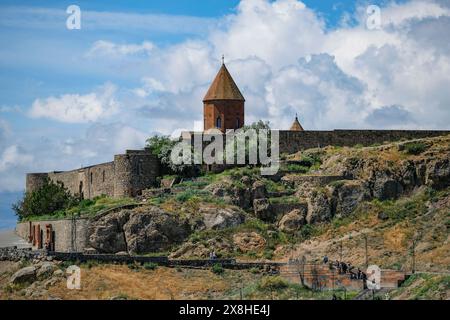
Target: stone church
[(223, 109)]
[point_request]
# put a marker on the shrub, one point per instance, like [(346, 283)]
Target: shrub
[(217, 269), (255, 270), (307, 161), (337, 184), (268, 254), (51, 197), (297, 168), (150, 266), (306, 231), (415, 148), (270, 283)]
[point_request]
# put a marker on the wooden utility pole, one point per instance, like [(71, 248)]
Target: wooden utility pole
[(366, 251)]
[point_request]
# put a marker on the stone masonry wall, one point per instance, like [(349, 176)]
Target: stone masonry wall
[(293, 141), (128, 175), (134, 171), (64, 230)]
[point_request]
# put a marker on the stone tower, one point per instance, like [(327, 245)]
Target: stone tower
[(223, 105), (296, 126)]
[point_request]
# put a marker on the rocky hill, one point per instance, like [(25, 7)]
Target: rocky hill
[(389, 204), (322, 202)]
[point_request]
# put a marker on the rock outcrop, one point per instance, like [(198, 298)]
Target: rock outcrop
[(249, 241), (220, 218), (292, 221), (142, 230), (24, 275), (151, 229)]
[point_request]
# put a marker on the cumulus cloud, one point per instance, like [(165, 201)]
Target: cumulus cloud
[(390, 117), (285, 61), (13, 161), (76, 108)]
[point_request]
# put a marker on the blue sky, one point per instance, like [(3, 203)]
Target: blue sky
[(70, 98)]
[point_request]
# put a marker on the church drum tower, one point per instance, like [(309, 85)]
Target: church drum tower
[(223, 105)]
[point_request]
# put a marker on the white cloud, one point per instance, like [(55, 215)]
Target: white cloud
[(49, 18), (76, 108), (268, 45), (106, 48), (285, 62), (12, 157), (13, 161), (398, 14)]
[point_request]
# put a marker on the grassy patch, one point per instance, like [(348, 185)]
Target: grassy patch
[(87, 207), (150, 266), (285, 199), (405, 207), (217, 269), (414, 148), (424, 287), (295, 168)]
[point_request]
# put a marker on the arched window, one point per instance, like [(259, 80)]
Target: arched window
[(219, 122), (92, 177), (238, 123)]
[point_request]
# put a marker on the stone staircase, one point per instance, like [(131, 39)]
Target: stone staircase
[(392, 279), (319, 277)]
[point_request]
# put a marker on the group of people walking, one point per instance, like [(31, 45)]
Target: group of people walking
[(345, 268)]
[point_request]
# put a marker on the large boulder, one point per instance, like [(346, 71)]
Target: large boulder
[(249, 241), (46, 270), (347, 196), (153, 229), (319, 208), (24, 275), (259, 190), (141, 230), (220, 218), (262, 209), (202, 249), (438, 173), (408, 174), (242, 197), (386, 185), (106, 234), (292, 221)]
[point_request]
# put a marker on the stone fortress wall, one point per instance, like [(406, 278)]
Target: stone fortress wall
[(68, 235), (136, 170), (294, 141), (127, 175)]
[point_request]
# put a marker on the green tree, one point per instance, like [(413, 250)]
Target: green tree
[(157, 144), (49, 198), (162, 146)]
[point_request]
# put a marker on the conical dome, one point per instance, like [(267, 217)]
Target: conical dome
[(296, 126), (223, 87)]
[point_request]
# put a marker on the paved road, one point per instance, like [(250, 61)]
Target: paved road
[(9, 239)]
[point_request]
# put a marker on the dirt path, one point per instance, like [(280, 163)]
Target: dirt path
[(9, 239)]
